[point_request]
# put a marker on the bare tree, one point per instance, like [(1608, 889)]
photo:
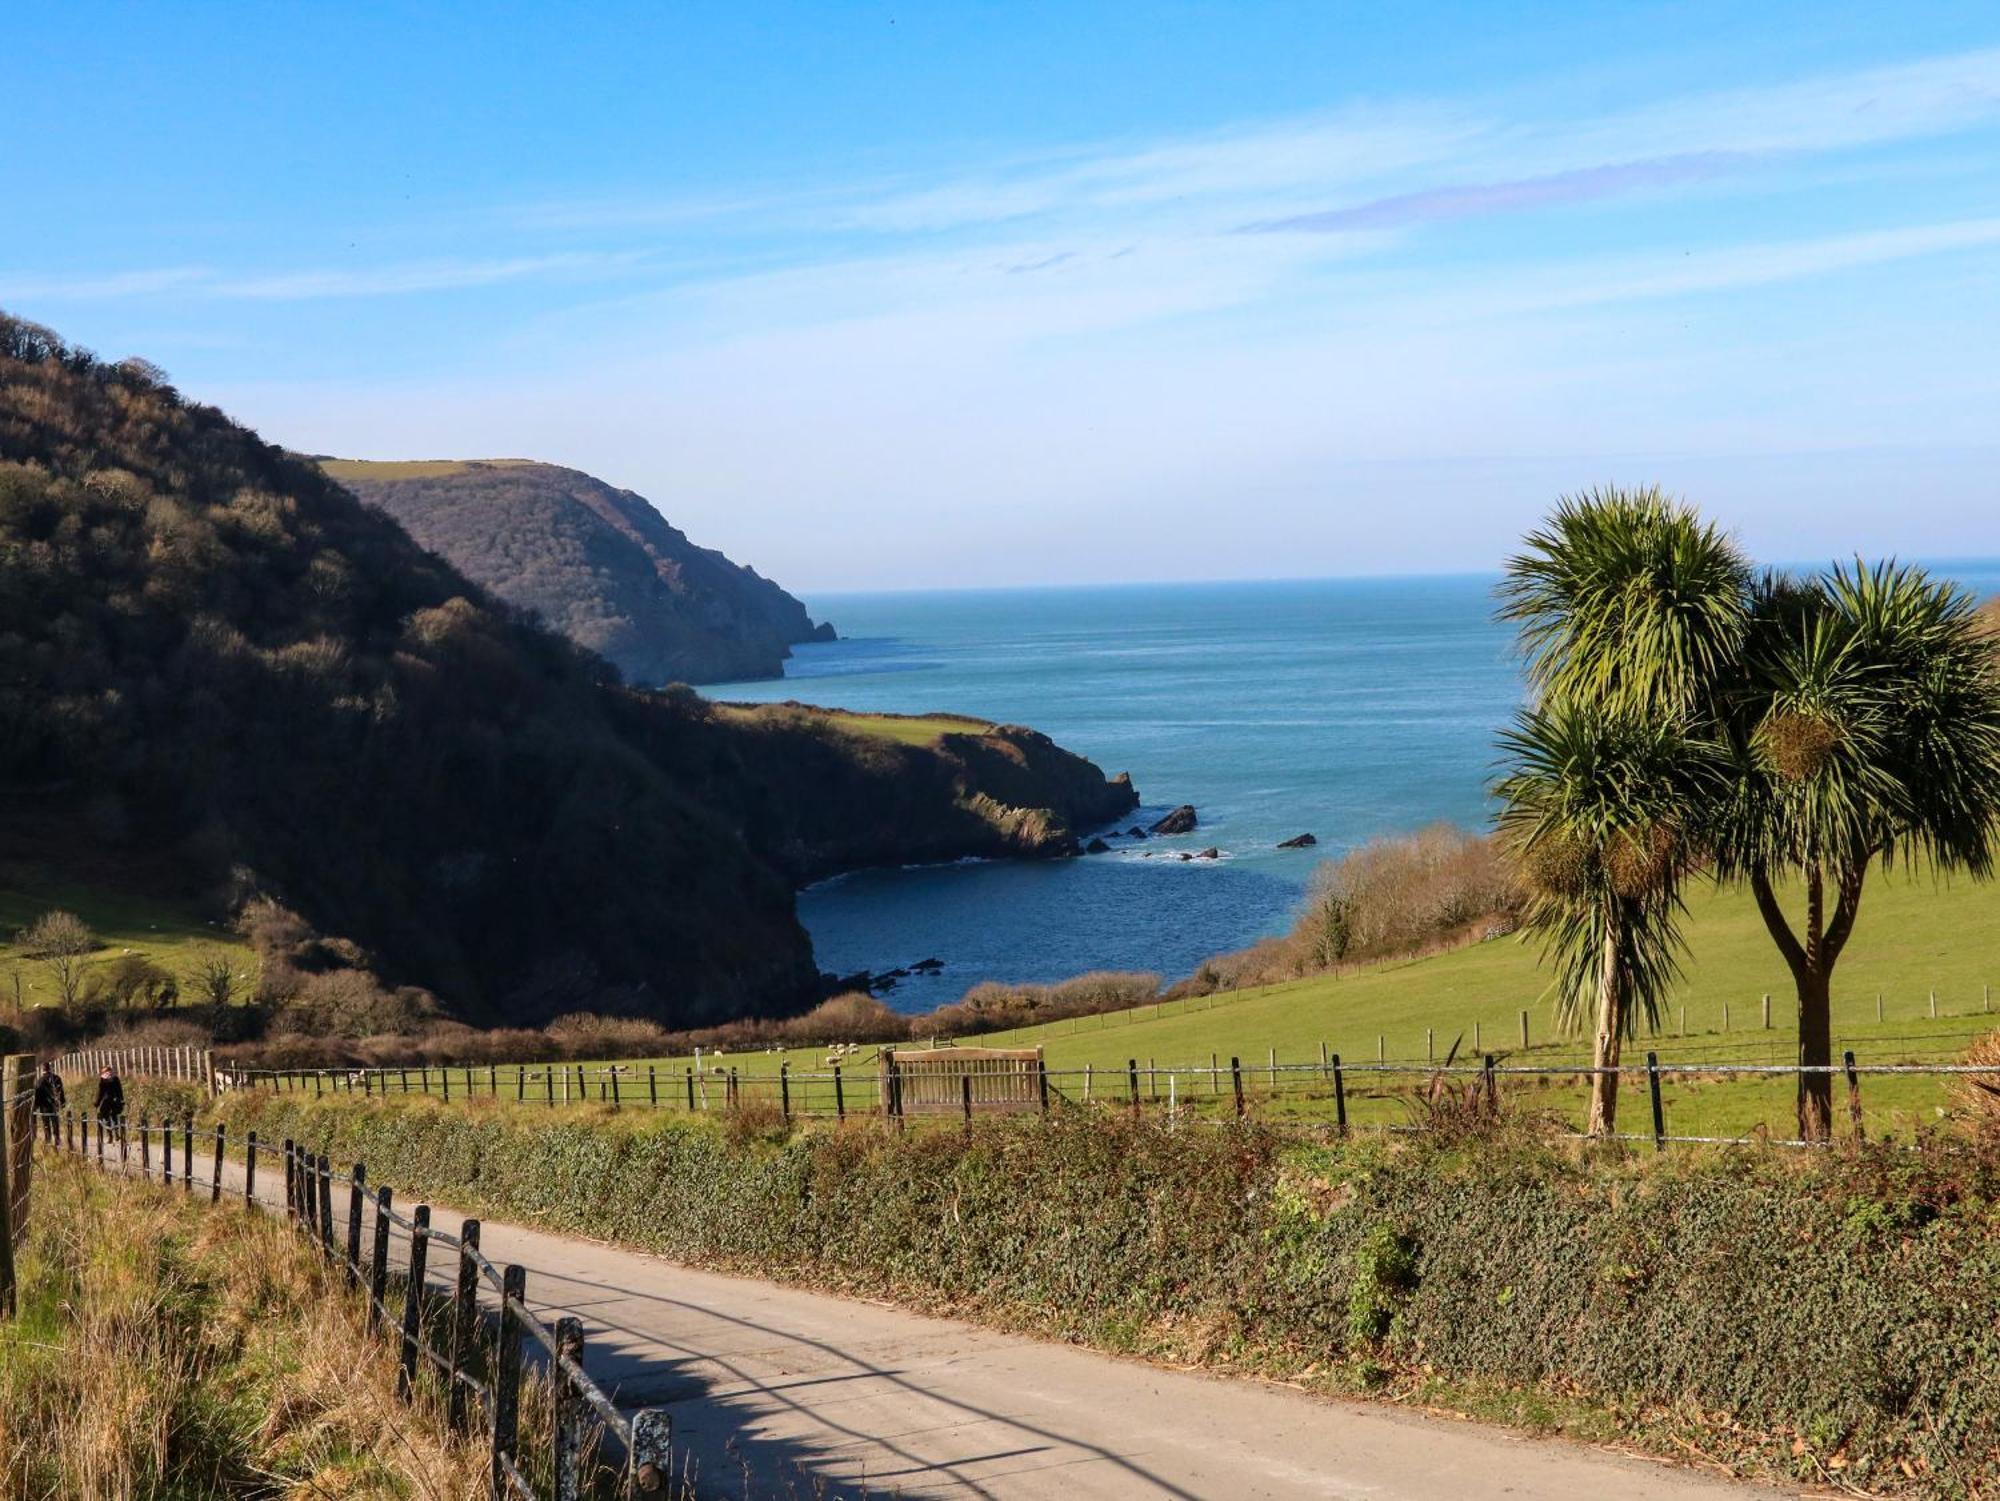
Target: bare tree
[(61, 942), (213, 978)]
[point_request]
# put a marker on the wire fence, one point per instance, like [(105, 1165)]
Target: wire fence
[(449, 1343), (1702, 1100)]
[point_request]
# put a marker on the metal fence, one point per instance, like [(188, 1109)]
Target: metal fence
[(478, 1357), (1680, 1102)]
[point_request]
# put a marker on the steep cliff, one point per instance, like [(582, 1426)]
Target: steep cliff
[(596, 563)]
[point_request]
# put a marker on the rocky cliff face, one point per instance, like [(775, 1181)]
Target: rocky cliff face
[(596, 563)]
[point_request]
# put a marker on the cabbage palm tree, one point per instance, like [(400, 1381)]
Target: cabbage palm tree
[(1631, 609), (1602, 811), (1864, 726)]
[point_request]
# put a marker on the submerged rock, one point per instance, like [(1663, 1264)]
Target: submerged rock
[(1096, 847), (1135, 832), (1297, 842), (1181, 821)]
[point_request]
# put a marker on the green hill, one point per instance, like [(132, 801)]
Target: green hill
[(216, 663), (597, 563)]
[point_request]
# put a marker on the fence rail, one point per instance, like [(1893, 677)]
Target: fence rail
[(188, 1065), (944, 1083), (476, 1359)]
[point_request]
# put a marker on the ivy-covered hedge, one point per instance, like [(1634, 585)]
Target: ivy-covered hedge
[(1834, 1318)]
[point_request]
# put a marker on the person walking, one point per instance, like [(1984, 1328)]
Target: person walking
[(110, 1098), (49, 1100)]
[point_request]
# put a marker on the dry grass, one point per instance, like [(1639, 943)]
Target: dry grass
[(168, 1349)]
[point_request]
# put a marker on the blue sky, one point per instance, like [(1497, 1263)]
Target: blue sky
[(880, 296)]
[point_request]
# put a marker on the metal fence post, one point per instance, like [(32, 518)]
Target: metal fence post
[(507, 1378), (1659, 1110), (569, 1409), (413, 1300), (464, 1319), (1854, 1095), (356, 1194), (378, 1269), (326, 1205)]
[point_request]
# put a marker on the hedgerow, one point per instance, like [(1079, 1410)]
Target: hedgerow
[(1826, 1318)]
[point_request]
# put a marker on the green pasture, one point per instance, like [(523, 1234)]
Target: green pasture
[(172, 935), (1914, 939)]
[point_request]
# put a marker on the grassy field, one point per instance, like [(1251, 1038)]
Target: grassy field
[(379, 469), (1913, 939), (909, 729), (171, 934)]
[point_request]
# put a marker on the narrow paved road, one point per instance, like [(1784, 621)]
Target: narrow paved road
[(814, 1396)]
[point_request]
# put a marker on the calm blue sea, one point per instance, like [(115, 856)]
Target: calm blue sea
[(1346, 708)]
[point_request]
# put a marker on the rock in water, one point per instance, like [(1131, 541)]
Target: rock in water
[(1211, 853), (1297, 842), (1096, 847), (1180, 821), (1136, 832)]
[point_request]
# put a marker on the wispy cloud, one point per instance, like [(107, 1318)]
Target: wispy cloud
[(1464, 200), (316, 283)]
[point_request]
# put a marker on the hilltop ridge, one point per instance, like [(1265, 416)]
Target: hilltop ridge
[(599, 564)]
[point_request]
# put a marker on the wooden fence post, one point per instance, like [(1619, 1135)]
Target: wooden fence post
[(1236, 1082), (326, 1206), (214, 1188), (1767, 1011), (187, 1155), (250, 1168), (1492, 1082), (1132, 1081), (1041, 1080), (965, 1093), (356, 1194), (613, 1072), (507, 1379), (167, 1154), (444, 1078), (1524, 1031), (569, 1409), (839, 1096), (145, 1149), (690, 1089), (1659, 1108), (649, 1462), (1854, 1095), (413, 1300), (653, 1086), (785, 1089), (1339, 1097), (464, 1320), (378, 1269)]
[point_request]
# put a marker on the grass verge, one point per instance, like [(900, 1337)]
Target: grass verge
[(168, 1349)]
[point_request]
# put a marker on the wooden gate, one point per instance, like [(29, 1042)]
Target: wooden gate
[(963, 1081)]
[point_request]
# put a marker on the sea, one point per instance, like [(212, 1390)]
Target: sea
[(1343, 708)]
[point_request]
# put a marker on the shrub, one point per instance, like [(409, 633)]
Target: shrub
[(131, 980), (1979, 1094)]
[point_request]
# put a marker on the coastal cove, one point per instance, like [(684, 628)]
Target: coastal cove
[(1343, 708), (1347, 708)]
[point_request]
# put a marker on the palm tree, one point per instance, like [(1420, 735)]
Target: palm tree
[(1863, 723), (1601, 811), (1631, 607)]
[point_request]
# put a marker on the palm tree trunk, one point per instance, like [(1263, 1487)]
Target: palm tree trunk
[(1610, 1030), (1815, 992)]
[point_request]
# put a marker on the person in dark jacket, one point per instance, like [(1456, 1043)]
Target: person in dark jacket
[(49, 1100), (110, 1097)]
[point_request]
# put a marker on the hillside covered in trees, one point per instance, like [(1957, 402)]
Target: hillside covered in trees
[(596, 563), (214, 657)]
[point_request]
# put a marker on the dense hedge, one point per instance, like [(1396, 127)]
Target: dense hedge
[(1831, 1318)]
